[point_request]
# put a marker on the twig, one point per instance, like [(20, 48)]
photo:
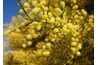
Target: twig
[(24, 10)]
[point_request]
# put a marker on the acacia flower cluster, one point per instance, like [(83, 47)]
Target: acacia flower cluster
[(51, 32)]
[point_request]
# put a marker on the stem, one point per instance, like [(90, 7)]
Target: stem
[(24, 9)]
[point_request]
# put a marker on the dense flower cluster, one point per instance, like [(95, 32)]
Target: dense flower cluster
[(51, 32)]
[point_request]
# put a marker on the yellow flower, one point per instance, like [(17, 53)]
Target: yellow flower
[(83, 12), (56, 30), (22, 24), (18, 30), (26, 4), (78, 53), (21, 11), (35, 35), (75, 7), (45, 8), (62, 4), (73, 49), (74, 43), (50, 15), (38, 27), (39, 52), (29, 43), (46, 53), (42, 3), (58, 11), (52, 20), (29, 37), (79, 46), (48, 44), (35, 10), (34, 3), (24, 45)]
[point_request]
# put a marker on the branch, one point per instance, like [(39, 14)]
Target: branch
[(24, 10)]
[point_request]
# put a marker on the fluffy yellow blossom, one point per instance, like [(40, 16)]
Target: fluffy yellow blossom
[(21, 11), (24, 45), (51, 32), (78, 53), (50, 15), (29, 36), (74, 43), (83, 12), (26, 4), (73, 49), (79, 46), (57, 11), (46, 53), (29, 43), (75, 7), (62, 4)]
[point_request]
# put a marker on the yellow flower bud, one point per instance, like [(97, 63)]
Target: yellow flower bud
[(44, 17), (56, 30), (45, 8), (35, 35), (76, 16), (73, 49), (46, 39), (65, 30), (79, 46), (53, 39), (48, 44), (58, 19), (35, 23), (39, 52), (78, 53), (73, 39), (74, 1), (74, 44), (35, 10), (35, 3), (90, 20), (81, 17), (17, 30), (26, 4), (24, 45), (21, 11), (29, 43), (44, 47), (29, 37), (27, 9), (77, 39), (76, 27), (42, 3), (91, 16), (83, 12), (46, 53), (38, 27), (58, 11), (69, 26), (62, 4), (50, 15), (22, 24), (52, 20), (75, 34), (75, 7)]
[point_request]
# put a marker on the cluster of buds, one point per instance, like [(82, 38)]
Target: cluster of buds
[(50, 32)]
